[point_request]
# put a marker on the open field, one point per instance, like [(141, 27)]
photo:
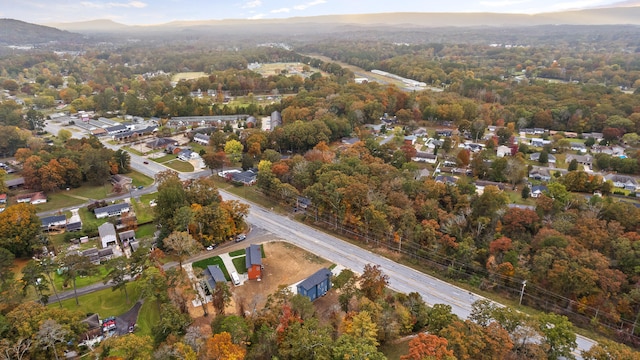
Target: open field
[(188, 75), (292, 68)]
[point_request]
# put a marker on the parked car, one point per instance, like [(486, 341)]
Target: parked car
[(210, 247), (140, 187), (145, 162), (241, 237)]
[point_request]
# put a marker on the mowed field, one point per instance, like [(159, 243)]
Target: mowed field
[(188, 75)]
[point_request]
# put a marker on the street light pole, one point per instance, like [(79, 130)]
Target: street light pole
[(524, 283)]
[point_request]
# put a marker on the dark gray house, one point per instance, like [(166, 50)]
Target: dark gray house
[(212, 275), (316, 285)]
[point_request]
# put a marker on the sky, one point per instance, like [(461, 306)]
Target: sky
[(143, 12)]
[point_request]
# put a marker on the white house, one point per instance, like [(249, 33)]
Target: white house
[(623, 181), (111, 210), (537, 190), (551, 159), (107, 234), (426, 157), (186, 155), (503, 151), (579, 147), (202, 139)]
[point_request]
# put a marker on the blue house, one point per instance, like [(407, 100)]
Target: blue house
[(316, 285)]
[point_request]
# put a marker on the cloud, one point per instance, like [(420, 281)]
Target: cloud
[(281, 10), (130, 4), (256, 17), (252, 4), (503, 3), (575, 4), (309, 4)]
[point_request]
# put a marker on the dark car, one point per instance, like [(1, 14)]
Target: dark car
[(145, 162)]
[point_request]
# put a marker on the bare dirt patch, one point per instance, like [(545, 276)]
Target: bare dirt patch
[(285, 264)]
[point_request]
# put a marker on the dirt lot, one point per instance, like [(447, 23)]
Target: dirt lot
[(284, 264)]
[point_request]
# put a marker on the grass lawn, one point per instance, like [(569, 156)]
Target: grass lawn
[(133, 151), (515, 197), (216, 260), (196, 147), (144, 212), (89, 219), (104, 302), (237, 252), (179, 165), (64, 198), (145, 231), (241, 264), (147, 318), (139, 178), (81, 281), (165, 158), (147, 197), (250, 193)]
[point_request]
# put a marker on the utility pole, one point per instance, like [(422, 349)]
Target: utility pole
[(524, 283)]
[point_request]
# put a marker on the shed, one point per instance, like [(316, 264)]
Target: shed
[(316, 285)]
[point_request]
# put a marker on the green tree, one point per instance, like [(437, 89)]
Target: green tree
[(233, 149), (118, 274), (182, 244), (220, 297), (49, 265), (6, 264), (307, 340), (33, 276), (75, 265), (573, 165), (439, 317), (559, 335)]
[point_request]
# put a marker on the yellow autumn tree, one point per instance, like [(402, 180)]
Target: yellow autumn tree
[(220, 347)]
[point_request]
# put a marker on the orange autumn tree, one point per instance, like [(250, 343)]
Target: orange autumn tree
[(220, 347), (427, 346)]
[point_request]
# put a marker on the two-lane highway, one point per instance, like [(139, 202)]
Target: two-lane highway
[(401, 278)]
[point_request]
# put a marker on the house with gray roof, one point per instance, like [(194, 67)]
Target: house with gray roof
[(315, 285), (202, 139), (253, 262), (107, 233), (212, 275), (111, 210), (53, 222)]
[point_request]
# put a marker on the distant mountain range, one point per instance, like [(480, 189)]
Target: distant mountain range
[(626, 13), (16, 32)]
